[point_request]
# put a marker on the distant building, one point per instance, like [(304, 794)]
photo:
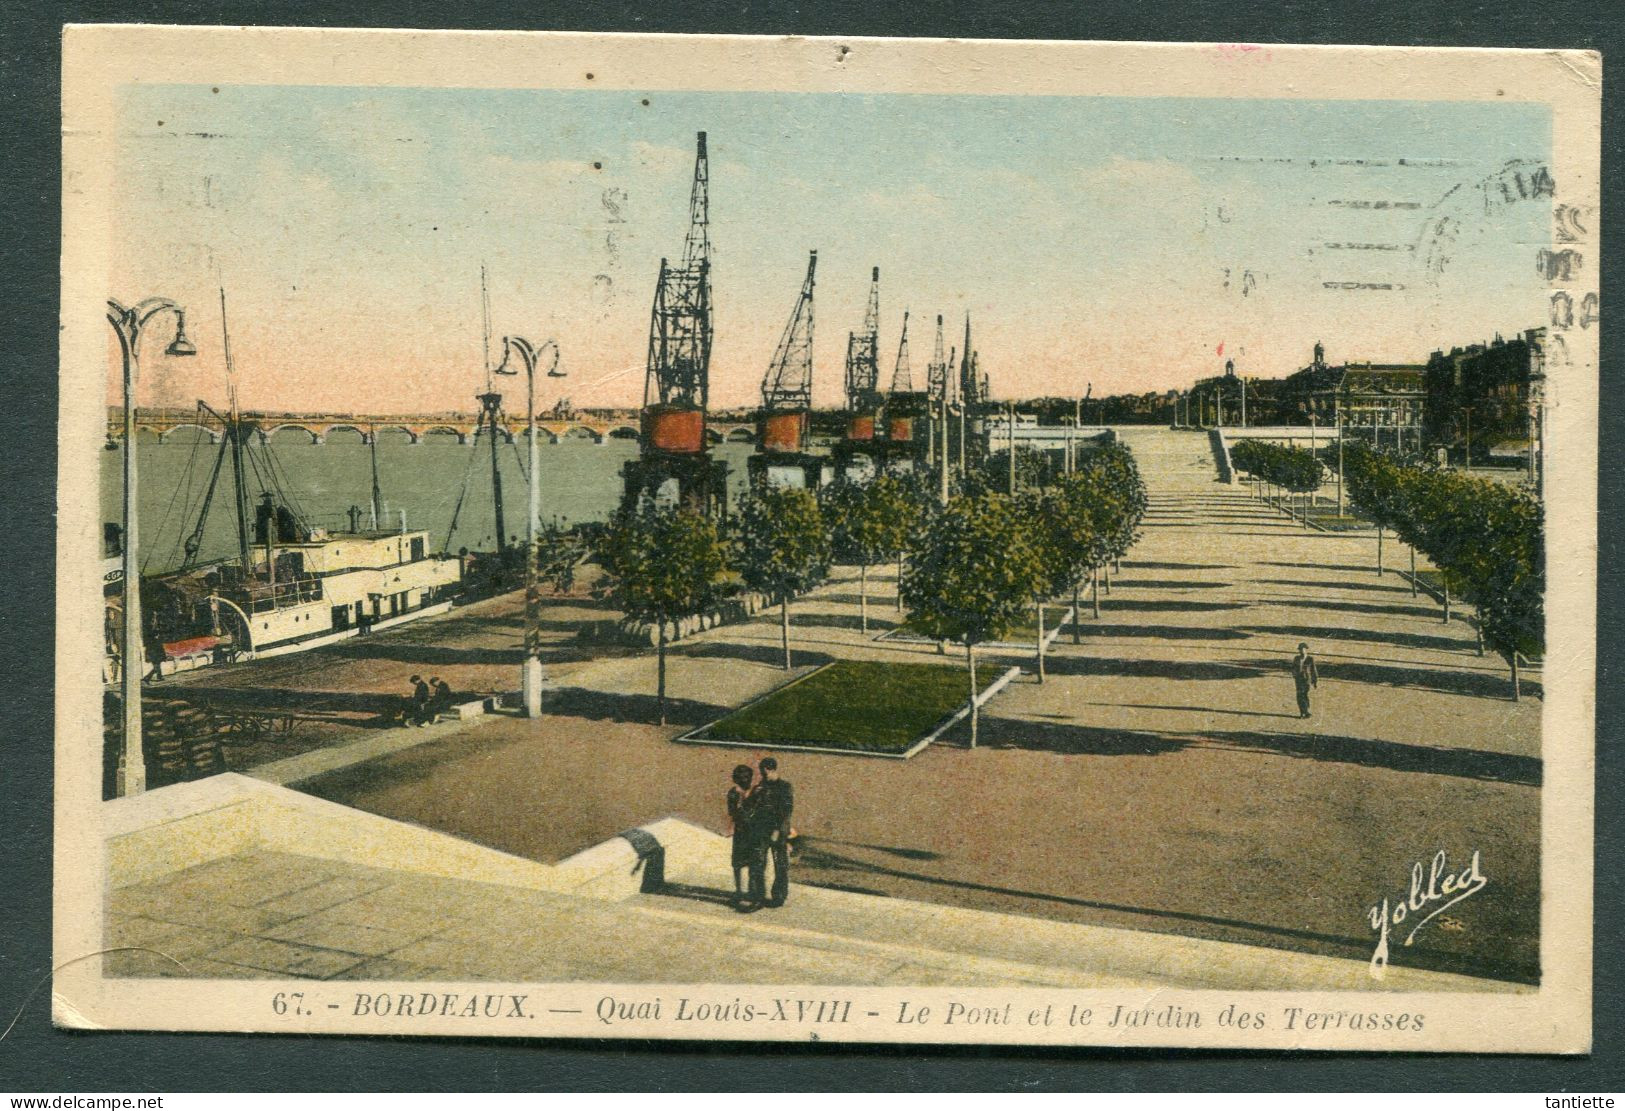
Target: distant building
[(1355, 395), (1490, 392), (1218, 399)]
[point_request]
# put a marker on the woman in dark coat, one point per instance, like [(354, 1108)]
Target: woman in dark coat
[(747, 850)]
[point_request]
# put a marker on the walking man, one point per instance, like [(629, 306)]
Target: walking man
[(1304, 676), (776, 802)]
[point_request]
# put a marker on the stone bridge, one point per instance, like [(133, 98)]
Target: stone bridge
[(320, 428)]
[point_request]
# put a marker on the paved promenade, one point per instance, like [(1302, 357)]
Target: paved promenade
[(1159, 781)]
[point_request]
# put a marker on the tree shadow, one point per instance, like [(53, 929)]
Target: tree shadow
[(1460, 763), (1170, 584), (841, 621), (424, 655), (1065, 740), (1473, 684), (1164, 632), (1368, 568), (1172, 566), (1099, 667), (636, 709), (1335, 585), (1085, 740), (876, 598), (1146, 605), (1291, 528), (889, 850), (1419, 641), (1193, 709), (772, 655), (1375, 608)]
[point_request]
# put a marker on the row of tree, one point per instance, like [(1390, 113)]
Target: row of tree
[(1286, 471), (1486, 538), (969, 570)]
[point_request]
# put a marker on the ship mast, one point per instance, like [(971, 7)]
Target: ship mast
[(490, 417), (234, 434)]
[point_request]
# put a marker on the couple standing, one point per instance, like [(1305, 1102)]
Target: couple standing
[(759, 810)]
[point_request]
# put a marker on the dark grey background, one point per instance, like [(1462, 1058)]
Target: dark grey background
[(34, 1058)]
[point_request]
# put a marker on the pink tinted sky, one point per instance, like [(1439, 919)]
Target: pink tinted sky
[(1112, 243)]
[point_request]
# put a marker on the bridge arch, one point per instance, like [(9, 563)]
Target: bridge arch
[(443, 430), (741, 434), (270, 433), (364, 436), (622, 432), (712, 436), (165, 436), (581, 432), (506, 434), (412, 436), (544, 435)]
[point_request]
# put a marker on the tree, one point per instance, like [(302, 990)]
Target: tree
[(1067, 542), (1116, 497), (663, 565), (1373, 482), (1292, 469), (1486, 539), (1033, 468), (868, 522), (784, 548), (1509, 582), (1300, 472), (972, 577)]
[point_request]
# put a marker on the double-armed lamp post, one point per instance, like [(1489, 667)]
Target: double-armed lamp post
[(530, 677), (129, 324)]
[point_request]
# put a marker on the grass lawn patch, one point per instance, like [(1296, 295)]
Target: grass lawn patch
[(856, 705)]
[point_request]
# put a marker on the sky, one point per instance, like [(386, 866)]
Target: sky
[(1111, 244)]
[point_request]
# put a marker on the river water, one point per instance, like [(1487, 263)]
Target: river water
[(580, 481)]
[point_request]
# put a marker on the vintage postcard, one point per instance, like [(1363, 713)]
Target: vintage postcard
[(592, 536)]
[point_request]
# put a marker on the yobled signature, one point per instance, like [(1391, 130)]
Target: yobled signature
[(1443, 889)]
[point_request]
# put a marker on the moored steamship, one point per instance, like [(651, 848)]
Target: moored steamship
[(311, 589)]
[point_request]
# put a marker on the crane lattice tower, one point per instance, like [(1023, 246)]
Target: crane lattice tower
[(902, 378), (863, 355), (788, 384), (680, 327)]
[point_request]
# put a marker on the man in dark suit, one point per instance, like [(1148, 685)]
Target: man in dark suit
[(1304, 676), (776, 802), (420, 703)]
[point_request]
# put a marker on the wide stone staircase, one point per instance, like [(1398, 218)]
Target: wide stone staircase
[(1168, 457), (231, 878)]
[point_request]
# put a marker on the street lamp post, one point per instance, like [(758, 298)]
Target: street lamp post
[(1337, 418), (128, 324), (530, 676), (1010, 440)]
